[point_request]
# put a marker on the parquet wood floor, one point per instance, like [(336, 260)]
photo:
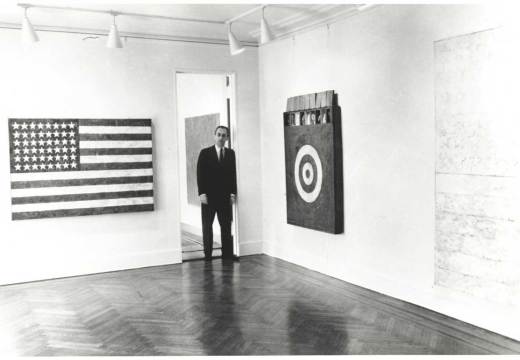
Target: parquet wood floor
[(260, 306)]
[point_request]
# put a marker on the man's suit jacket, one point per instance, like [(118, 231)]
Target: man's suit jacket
[(216, 179)]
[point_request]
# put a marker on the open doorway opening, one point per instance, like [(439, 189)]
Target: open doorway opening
[(204, 101)]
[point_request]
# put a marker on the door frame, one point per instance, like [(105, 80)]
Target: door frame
[(233, 135)]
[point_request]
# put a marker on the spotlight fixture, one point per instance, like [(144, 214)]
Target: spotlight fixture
[(114, 41), (28, 33), (235, 46), (265, 32)]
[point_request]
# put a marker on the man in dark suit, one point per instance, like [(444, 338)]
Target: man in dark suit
[(217, 183)]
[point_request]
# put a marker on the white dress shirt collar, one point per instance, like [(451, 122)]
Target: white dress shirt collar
[(218, 148)]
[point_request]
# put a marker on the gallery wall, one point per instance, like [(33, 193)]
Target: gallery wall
[(64, 76), (381, 64)]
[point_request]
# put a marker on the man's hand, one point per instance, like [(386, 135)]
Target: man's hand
[(233, 198), (203, 199)]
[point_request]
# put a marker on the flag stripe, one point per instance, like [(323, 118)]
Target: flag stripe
[(115, 130), (80, 212), (81, 204), (79, 197), (116, 144), (117, 137), (108, 166), (81, 189), (95, 159), (115, 151), (79, 182), (80, 174), (115, 122)]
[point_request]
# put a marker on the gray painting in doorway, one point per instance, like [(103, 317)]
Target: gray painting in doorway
[(199, 134)]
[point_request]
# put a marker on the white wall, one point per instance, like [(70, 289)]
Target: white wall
[(381, 63), (63, 76)]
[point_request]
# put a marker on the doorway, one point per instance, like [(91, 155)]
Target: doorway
[(204, 101)]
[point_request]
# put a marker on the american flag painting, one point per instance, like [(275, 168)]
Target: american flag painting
[(73, 167)]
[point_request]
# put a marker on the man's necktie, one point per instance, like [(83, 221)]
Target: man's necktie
[(221, 155)]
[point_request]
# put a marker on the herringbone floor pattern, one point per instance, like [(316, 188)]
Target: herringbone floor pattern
[(260, 306)]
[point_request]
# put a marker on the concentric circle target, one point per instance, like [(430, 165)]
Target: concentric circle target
[(306, 173)]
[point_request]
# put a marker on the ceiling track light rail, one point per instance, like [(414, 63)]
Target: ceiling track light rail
[(114, 39), (123, 13)]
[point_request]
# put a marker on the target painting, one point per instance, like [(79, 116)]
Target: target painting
[(313, 178)]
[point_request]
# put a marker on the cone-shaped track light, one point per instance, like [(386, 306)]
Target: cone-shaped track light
[(28, 33), (114, 41), (265, 32), (235, 47)]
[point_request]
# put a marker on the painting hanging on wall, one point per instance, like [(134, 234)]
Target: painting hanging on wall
[(199, 132), (313, 162), (75, 167)]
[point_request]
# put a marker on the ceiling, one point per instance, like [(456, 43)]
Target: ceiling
[(282, 18)]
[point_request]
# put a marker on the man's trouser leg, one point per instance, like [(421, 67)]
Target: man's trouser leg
[(225, 217), (208, 215)]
